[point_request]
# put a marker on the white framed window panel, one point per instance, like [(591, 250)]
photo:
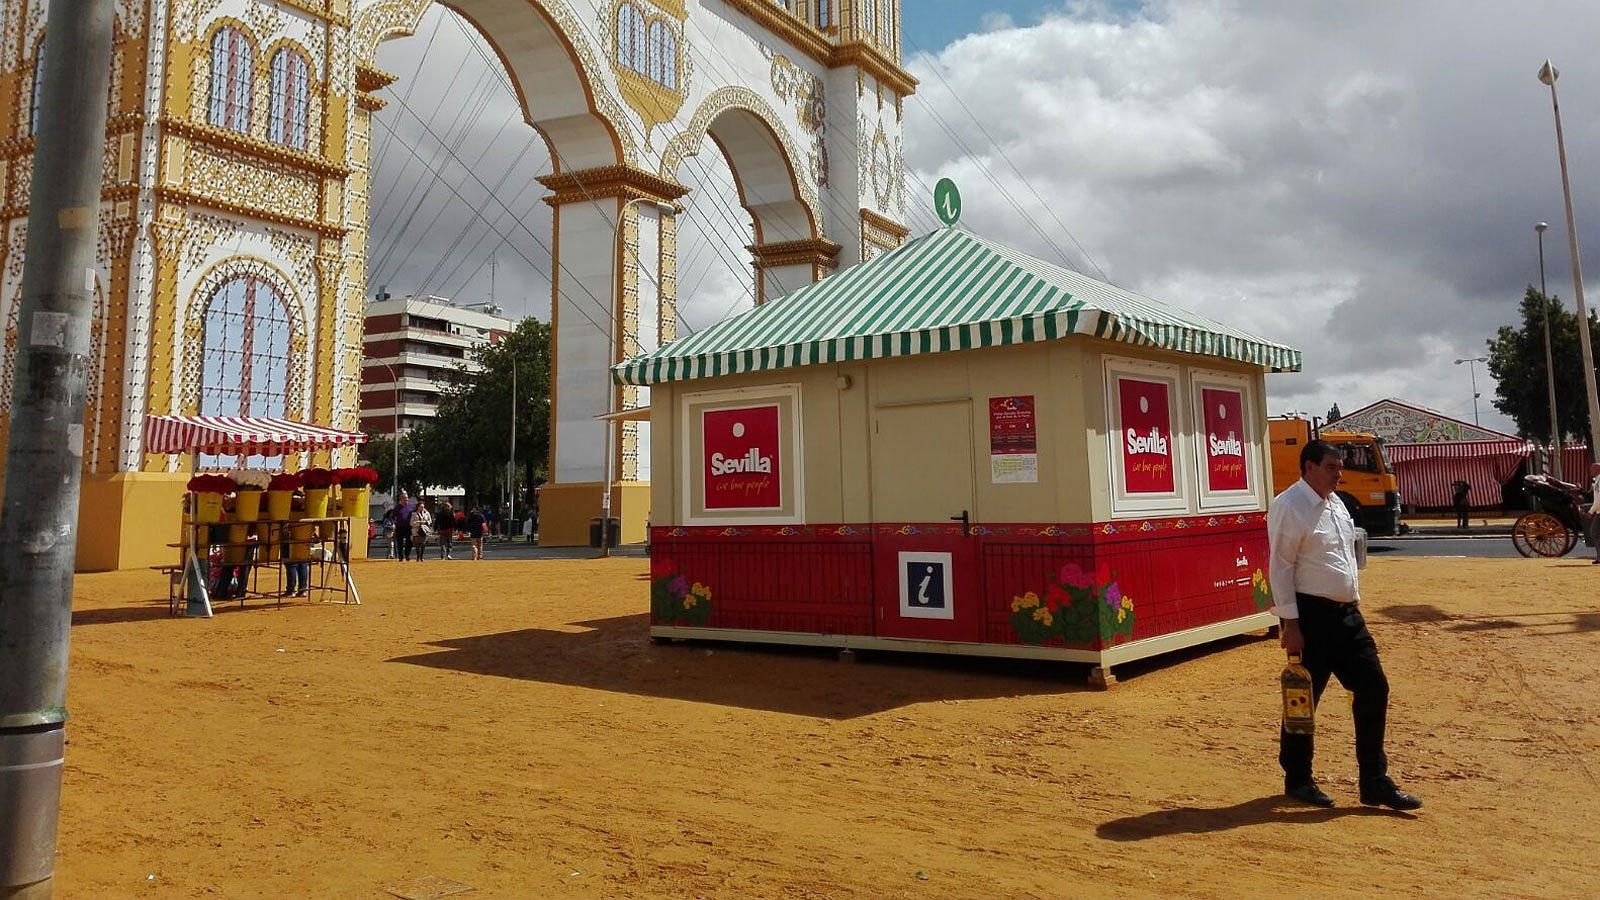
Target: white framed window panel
[(1124, 504), (1200, 381), (691, 463)]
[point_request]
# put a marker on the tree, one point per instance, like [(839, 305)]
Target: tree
[(1517, 364), (468, 443), (1333, 414), (378, 453)]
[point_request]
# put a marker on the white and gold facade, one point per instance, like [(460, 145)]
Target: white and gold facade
[(235, 216)]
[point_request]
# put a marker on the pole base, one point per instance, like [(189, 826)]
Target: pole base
[(30, 808)]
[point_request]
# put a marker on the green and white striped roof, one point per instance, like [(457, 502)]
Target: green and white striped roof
[(949, 290)]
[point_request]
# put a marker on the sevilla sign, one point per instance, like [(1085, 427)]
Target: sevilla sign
[(1146, 437), (742, 464), (1224, 439)]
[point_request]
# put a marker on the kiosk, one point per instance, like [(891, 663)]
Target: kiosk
[(958, 448)]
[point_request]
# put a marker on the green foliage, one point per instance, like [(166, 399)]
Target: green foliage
[(1517, 364), (469, 441)]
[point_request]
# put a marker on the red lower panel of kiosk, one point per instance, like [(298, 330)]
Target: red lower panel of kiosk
[(1152, 577)]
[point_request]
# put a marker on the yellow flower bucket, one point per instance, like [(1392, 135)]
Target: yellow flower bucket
[(231, 554), (355, 501), (300, 549), (207, 507), (247, 506), (278, 504), (316, 503)]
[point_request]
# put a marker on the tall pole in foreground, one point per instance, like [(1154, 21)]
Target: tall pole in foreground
[(511, 464), (1549, 360), (38, 533), (1548, 74)]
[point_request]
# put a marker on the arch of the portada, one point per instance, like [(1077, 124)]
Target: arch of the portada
[(233, 232)]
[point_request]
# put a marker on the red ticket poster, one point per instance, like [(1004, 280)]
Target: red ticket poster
[(1224, 438), (742, 464), (1146, 436), (1013, 440)]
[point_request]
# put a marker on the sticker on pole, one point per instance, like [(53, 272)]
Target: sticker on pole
[(947, 200)]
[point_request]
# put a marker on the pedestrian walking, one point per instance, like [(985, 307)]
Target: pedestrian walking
[(402, 526), (421, 528), (445, 522), (1459, 491), (1317, 588), (1594, 511), (475, 528)]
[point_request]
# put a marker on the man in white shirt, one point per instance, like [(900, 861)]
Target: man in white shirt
[(1594, 511), (1318, 593)]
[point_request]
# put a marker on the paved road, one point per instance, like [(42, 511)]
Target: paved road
[(1496, 547)]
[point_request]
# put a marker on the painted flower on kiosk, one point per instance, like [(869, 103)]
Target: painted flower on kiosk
[(1078, 608), (674, 599)]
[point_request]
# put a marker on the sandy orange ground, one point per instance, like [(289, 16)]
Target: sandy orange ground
[(508, 725)]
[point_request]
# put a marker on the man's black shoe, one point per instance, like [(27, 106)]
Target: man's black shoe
[(1309, 793), (1382, 792)]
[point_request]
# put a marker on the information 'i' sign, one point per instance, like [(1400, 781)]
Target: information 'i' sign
[(947, 200)]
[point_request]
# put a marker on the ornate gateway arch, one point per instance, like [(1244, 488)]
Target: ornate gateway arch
[(240, 137)]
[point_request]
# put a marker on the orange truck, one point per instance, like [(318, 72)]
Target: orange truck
[(1369, 488)]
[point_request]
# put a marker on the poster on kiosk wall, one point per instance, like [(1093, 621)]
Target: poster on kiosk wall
[(1147, 452), (742, 460), (1223, 414)]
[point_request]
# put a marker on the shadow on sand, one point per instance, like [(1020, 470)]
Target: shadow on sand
[(1564, 622), (616, 654), (1205, 820)]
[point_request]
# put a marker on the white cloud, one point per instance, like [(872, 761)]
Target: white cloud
[(1359, 180)]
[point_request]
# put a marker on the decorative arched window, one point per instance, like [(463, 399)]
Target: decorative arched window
[(232, 79), (869, 18), (244, 368), (290, 109), (663, 55), (824, 14), (38, 87), (631, 38)]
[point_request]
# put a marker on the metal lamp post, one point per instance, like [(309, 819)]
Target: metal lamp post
[(611, 359), (1548, 75), (393, 380), (1549, 358), (1473, 368)]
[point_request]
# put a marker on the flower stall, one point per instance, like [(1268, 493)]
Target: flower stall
[(958, 448), (241, 525)]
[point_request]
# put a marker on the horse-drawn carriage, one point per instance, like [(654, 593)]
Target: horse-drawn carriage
[(1560, 520)]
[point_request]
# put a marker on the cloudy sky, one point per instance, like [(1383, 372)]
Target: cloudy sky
[(1357, 179)]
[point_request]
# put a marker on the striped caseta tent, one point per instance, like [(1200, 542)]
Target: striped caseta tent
[(948, 290), (240, 435)]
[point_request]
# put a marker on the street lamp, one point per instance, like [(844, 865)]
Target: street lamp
[(1549, 358), (1548, 75), (665, 209), (1472, 367), (395, 493)]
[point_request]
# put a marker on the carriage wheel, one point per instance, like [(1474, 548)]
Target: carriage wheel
[(1541, 534)]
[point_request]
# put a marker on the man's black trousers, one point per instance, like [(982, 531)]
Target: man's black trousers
[(1338, 643)]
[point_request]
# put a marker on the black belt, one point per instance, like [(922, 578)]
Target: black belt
[(1326, 601)]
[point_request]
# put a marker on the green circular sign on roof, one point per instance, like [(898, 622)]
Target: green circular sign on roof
[(947, 201)]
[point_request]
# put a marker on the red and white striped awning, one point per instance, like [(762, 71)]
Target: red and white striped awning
[(1403, 453), (240, 435), (1426, 471)]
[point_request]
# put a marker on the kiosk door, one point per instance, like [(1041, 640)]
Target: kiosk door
[(925, 578)]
